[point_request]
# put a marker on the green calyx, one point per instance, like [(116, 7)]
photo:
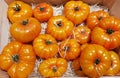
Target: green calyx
[(15, 58), (17, 7)]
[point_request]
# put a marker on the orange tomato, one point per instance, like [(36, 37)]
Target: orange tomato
[(59, 27), (115, 64), (45, 46), (43, 12), (17, 59), (53, 67), (69, 49), (81, 34), (25, 30), (77, 68), (95, 60), (76, 11), (95, 17), (108, 33), (18, 10)]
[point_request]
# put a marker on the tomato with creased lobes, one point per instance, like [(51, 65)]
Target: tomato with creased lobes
[(18, 10), (107, 33), (45, 46), (81, 34), (53, 67), (115, 64), (59, 27), (95, 17), (17, 59), (69, 49), (76, 11), (95, 60)]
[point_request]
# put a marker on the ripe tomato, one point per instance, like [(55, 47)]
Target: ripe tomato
[(43, 12), (25, 30), (18, 10), (17, 59), (95, 60), (115, 64), (76, 11), (95, 17), (59, 27), (108, 33), (69, 49), (53, 67), (45, 46), (81, 34)]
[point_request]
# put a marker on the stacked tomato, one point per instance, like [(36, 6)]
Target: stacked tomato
[(90, 47)]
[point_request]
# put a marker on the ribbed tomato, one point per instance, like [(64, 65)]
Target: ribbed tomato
[(18, 10), (95, 60), (59, 27), (76, 11), (17, 59), (53, 67), (107, 33), (45, 46), (81, 34), (69, 49)]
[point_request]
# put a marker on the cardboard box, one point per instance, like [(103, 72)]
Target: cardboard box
[(113, 6)]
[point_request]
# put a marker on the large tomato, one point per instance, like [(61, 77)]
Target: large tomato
[(18, 10), (43, 12), (77, 68), (25, 30), (81, 34), (108, 33), (53, 67), (17, 59), (59, 27), (76, 11), (69, 49), (115, 64), (95, 60), (95, 17), (45, 46)]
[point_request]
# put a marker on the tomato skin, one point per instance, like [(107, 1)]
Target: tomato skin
[(45, 46), (109, 33), (19, 10), (43, 12), (59, 27), (95, 17), (115, 64), (81, 34), (25, 32), (95, 60), (69, 49), (17, 59), (53, 67), (76, 11)]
